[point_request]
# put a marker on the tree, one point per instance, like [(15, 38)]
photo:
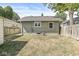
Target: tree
[(8, 12), (62, 7), (62, 15), (2, 12), (15, 16)]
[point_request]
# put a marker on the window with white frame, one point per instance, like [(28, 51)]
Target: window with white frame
[(37, 24), (50, 25)]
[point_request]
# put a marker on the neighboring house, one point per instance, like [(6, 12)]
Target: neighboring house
[(39, 24), (67, 22)]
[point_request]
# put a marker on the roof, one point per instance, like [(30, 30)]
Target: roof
[(40, 18)]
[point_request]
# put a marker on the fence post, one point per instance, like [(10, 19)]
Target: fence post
[(1, 31)]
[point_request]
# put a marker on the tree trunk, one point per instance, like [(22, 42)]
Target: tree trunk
[(71, 12), (71, 16)]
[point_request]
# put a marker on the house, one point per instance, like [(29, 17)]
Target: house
[(39, 24), (67, 22)]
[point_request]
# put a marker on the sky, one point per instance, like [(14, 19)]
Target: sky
[(29, 9)]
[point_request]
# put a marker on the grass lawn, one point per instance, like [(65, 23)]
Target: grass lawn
[(36, 45)]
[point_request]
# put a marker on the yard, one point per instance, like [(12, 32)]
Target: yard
[(39, 45)]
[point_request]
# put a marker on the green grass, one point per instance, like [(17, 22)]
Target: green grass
[(37, 45)]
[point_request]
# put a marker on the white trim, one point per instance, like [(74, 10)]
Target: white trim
[(52, 25), (37, 23)]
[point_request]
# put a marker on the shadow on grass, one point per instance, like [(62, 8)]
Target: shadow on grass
[(11, 48)]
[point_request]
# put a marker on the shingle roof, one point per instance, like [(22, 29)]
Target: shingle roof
[(40, 18)]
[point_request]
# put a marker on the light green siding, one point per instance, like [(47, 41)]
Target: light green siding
[(28, 27), (45, 26)]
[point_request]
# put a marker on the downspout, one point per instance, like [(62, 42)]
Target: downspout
[(21, 27), (59, 28)]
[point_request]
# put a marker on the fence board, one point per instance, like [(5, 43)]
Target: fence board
[(1, 32), (70, 31), (11, 27)]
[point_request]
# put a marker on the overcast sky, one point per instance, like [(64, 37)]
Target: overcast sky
[(29, 9)]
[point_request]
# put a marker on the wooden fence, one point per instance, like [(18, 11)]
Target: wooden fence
[(11, 30), (70, 31), (8, 27), (11, 27)]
